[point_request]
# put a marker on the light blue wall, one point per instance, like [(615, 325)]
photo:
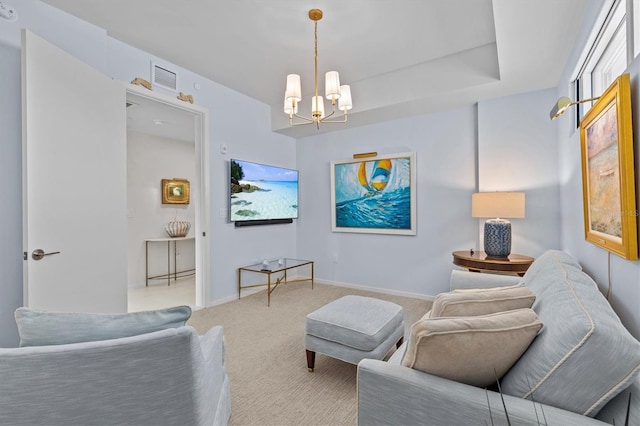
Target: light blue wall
[(240, 122), (625, 275), (244, 126), (505, 143), (445, 156), (518, 151), (11, 205)]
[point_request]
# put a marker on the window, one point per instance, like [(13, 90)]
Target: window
[(635, 12), (610, 52)]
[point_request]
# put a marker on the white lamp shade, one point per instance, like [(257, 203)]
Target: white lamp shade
[(317, 108), (498, 204), (332, 85), (294, 89), (344, 103), (289, 108)]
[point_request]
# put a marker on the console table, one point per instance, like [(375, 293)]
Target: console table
[(274, 267), (479, 261), (175, 273)]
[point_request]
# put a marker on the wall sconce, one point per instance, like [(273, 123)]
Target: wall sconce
[(563, 104), (497, 232)]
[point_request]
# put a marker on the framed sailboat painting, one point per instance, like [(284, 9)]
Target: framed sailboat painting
[(374, 195)]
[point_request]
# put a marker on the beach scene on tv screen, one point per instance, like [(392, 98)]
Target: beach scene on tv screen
[(260, 192)]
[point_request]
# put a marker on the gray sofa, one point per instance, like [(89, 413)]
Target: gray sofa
[(582, 365), (168, 377)]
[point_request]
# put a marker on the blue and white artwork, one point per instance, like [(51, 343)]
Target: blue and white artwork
[(262, 192), (374, 195)]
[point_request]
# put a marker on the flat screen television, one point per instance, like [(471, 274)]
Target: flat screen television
[(261, 194)]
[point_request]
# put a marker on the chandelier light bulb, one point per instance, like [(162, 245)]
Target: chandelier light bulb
[(317, 107), (290, 107)]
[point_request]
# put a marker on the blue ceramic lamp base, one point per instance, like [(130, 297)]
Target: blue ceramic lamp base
[(497, 238)]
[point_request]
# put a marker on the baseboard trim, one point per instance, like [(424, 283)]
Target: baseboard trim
[(375, 289), (251, 291), (247, 292)]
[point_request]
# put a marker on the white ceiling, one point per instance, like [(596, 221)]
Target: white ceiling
[(401, 57), (159, 119)]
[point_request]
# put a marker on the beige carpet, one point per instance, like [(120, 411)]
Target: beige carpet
[(266, 363)]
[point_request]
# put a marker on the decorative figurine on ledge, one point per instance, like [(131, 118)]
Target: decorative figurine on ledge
[(142, 82), (185, 98)]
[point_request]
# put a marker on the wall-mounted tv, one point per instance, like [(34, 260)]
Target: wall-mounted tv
[(262, 194)]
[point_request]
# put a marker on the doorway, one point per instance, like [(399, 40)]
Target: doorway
[(166, 139)]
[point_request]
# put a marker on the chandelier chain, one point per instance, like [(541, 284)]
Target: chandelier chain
[(315, 35)]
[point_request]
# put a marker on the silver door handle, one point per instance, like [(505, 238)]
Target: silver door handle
[(39, 254)]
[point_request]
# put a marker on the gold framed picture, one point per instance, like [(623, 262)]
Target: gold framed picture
[(175, 191), (608, 181)]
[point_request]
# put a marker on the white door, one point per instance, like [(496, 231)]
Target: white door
[(74, 183)]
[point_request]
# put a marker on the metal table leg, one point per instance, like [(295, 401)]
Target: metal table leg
[(146, 263)]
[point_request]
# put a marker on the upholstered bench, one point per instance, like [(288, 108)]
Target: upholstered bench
[(353, 328)]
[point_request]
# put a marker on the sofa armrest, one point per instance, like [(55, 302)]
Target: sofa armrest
[(392, 395), (466, 279), (212, 345), (213, 396)]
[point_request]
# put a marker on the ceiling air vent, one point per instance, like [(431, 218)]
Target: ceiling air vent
[(163, 77)]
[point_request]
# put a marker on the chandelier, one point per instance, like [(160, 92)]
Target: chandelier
[(332, 89)]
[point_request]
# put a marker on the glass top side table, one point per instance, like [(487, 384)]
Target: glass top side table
[(279, 267)]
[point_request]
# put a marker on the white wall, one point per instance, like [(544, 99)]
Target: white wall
[(445, 158), (149, 160), (518, 151), (625, 275)]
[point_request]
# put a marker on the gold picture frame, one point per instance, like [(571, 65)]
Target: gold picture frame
[(608, 180), (175, 191)]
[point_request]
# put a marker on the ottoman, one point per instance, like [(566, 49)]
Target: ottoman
[(353, 328)]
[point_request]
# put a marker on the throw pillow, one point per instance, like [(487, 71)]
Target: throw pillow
[(482, 301), (474, 350), (41, 328)]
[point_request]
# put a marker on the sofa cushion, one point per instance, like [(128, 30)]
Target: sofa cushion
[(584, 356), (42, 328), (470, 302), (475, 350)]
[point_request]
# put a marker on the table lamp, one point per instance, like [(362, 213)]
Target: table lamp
[(497, 231)]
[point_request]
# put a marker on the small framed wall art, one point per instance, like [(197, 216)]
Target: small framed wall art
[(374, 195), (608, 182), (175, 191)]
